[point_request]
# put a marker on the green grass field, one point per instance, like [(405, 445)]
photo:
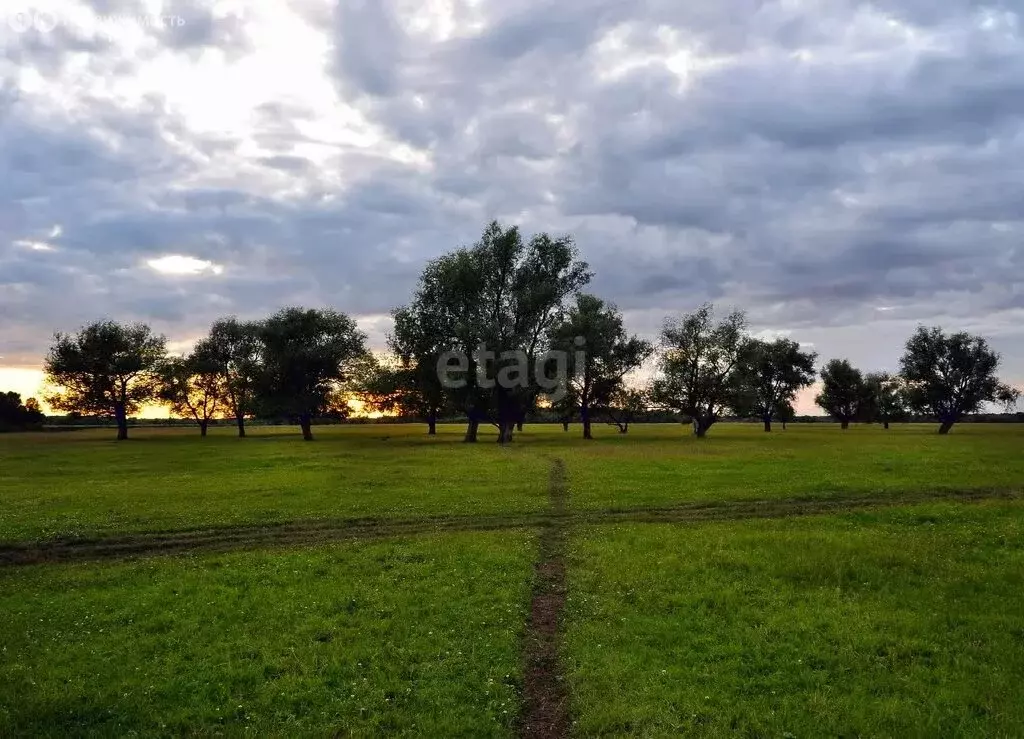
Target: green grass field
[(396, 597), (903, 622), (406, 636)]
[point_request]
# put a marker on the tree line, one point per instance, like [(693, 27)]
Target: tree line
[(509, 319), (17, 416)]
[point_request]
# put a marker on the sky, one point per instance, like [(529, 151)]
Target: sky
[(843, 170)]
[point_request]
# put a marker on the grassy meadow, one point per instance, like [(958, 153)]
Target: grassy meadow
[(405, 636), (84, 483), (899, 622), (902, 619)]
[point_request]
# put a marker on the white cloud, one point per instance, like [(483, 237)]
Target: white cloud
[(177, 264)]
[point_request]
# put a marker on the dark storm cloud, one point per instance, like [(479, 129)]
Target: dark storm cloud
[(842, 173)]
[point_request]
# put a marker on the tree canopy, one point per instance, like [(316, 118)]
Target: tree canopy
[(770, 374), (193, 386), (950, 375), (307, 354), (885, 398), (843, 394), (599, 351), (700, 364), (491, 307), (235, 348), (106, 368)]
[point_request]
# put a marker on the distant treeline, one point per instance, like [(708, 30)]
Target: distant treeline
[(501, 332), (81, 422), (18, 416)]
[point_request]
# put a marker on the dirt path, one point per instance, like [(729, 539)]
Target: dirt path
[(297, 533), (545, 706)]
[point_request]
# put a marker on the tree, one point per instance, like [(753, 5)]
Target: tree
[(769, 376), (950, 375), (566, 408), (490, 307), (699, 365), (415, 385), (886, 400), (308, 353), (785, 413), (624, 406), (235, 347), (107, 368), (599, 353), (844, 394), (193, 386), (14, 416)]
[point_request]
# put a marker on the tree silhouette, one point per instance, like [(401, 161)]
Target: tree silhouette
[(106, 368)]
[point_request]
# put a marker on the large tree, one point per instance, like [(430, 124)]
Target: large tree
[(599, 353), (885, 398), (307, 355), (107, 368), (699, 364), (193, 387), (236, 348), (844, 396), (770, 374), (950, 375), (491, 307)]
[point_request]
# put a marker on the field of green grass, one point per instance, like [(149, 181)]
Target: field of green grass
[(381, 581), (405, 636), (84, 483), (902, 622), (664, 466)]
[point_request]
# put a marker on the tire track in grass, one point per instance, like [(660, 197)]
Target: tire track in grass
[(545, 706), (306, 532)]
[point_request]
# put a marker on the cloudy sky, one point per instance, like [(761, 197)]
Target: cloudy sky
[(842, 169)]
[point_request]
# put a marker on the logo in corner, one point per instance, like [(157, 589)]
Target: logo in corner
[(22, 21)]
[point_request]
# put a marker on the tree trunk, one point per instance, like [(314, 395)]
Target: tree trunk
[(565, 425), (701, 426), (885, 425), (306, 423), (202, 428), (471, 431), (505, 428), (519, 425), (844, 424), (945, 427), (623, 428), (783, 425), (432, 425), (767, 423), (240, 420), (121, 416), (585, 418)]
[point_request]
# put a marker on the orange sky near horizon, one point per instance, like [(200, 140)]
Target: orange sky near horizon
[(29, 382)]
